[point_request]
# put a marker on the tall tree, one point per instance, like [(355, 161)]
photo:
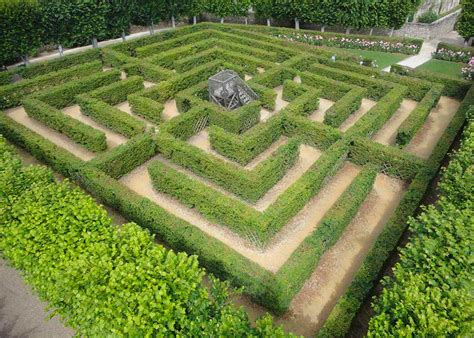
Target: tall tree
[(220, 8), (465, 25), (57, 24), (119, 17), (19, 33), (148, 12), (264, 9), (241, 8), (195, 8)]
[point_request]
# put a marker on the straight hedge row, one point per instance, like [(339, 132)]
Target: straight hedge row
[(12, 94), (342, 314), (418, 116), (83, 134), (429, 294)]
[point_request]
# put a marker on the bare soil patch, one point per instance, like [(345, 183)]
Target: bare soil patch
[(170, 110), (287, 240), (307, 156), (354, 117), (19, 115), (113, 139), (318, 115), (424, 142), (337, 268), (265, 114), (388, 133)]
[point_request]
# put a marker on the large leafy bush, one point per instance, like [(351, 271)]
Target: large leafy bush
[(431, 291), (105, 281)]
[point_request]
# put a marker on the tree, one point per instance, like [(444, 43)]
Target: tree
[(220, 8), (119, 17), (298, 10), (195, 8), (264, 9), (89, 20), (56, 23), (148, 12), (465, 25), (19, 34), (241, 8)]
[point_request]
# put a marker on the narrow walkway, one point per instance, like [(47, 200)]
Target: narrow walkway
[(83, 48), (423, 56)]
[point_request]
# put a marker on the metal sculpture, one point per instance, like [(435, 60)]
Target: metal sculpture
[(229, 91)]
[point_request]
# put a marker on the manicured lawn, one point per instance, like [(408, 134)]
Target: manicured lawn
[(443, 67), (383, 59)]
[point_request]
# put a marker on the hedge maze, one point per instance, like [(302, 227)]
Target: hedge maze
[(299, 196)]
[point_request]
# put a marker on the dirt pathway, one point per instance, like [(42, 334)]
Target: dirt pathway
[(354, 117), (170, 110), (281, 248), (318, 115), (388, 133), (125, 107), (337, 268), (425, 140), (19, 115), (113, 139), (307, 156), (265, 114)]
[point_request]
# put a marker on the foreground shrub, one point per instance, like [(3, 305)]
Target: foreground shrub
[(105, 281), (430, 292)]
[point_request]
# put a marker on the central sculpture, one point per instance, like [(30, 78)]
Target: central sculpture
[(229, 91)]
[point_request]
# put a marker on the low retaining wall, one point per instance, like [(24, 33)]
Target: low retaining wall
[(425, 31)]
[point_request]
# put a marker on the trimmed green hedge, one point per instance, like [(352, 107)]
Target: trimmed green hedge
[(303, 261), (12, 94), (65, 94), (244, 148), (126, 157), (429, 294), (147, 108), (110, 117), (250, 185), (375, 118), (44, 150), (90, 138), (291, 90), (344, 107), (54, 65), (452, 87), (117, 92), (418, 116), (376, 88), (215, 206)]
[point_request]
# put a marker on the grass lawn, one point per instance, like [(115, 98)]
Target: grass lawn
[(443, 67), (383, 59)]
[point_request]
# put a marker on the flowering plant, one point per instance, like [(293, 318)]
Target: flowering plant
[(468, 71), (352, 43), (452, 55)]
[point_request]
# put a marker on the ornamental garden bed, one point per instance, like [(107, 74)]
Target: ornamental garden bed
[(299, 197)]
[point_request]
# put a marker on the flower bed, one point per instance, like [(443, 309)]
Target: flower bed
[(353, 42), (453, 53), (468, 71)]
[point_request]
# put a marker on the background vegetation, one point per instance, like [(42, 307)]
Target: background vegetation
[(26, 25)]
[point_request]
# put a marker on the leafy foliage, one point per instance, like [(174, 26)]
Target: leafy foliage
[(465, 25), (102, 280), (430, 293), (19, 21)]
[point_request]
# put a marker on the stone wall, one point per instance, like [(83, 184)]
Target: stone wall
[(429, 31), (426, 31), (437, 6)]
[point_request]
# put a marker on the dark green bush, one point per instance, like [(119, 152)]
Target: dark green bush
[(110, 117), (90, 138)]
